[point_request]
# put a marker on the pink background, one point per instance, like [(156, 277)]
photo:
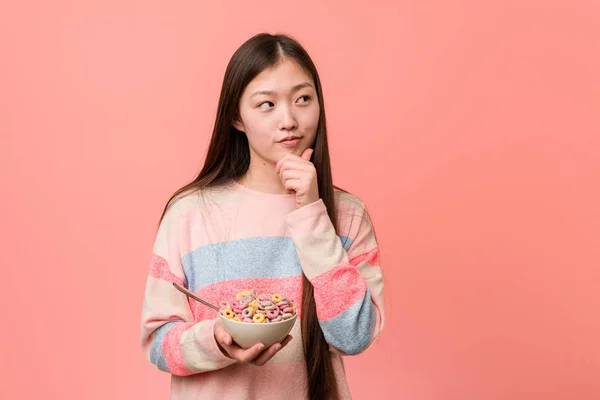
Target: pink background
[(470, 128)]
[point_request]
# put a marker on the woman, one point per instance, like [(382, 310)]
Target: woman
[(264, 214)]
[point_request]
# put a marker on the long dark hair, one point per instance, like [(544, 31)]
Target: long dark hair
[(228, 158)]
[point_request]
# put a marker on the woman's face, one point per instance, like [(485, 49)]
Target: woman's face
[(278, 103)]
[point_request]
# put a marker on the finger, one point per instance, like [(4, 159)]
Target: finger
[(281, 163), (306, 154), (293, 184), (221, 335), (286, 340), (292, 158), (267, 355), (292, 174), (245, 356), (295, 164), (281, 160), (226, 339), (271, 351)]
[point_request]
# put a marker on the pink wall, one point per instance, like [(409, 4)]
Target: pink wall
[(470, 128)]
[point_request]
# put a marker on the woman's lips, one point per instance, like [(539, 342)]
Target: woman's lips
[(289, 142)]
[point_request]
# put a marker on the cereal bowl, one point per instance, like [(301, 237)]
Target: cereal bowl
[(247, 335)]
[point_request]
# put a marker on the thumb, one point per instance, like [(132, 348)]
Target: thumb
[(306, 154), (222, 336), (226, 338)]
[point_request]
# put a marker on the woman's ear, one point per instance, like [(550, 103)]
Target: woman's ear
[(238, 125)]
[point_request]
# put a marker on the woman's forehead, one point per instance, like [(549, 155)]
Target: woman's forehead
[(283, 77)]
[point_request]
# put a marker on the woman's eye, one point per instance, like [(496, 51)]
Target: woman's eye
[(304, 97), (261, 105)]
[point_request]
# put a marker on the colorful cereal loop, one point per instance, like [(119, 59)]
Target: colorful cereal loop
[(228, 313), (276, 298), (259, 318)]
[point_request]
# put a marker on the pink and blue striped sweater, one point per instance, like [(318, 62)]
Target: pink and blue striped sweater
[(221, 240)]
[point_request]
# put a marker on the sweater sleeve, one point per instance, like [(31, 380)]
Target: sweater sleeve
[(170, 337), (348, 285)]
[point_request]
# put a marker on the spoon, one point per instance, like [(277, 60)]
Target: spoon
[(193, 296)]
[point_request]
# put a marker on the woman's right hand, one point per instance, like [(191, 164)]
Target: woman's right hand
[(256, 355)]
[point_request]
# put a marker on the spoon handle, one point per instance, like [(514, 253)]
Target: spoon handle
[(193, 296)]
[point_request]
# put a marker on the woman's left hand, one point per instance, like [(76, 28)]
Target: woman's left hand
[(298, 174)]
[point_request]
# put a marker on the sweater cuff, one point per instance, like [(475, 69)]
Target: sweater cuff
[(300, 218), (201, 351), (317, 244), (220, 359)]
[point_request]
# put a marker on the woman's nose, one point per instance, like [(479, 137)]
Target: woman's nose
[(287, 120)]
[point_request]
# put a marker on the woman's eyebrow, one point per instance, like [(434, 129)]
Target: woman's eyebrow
[(294, 89)]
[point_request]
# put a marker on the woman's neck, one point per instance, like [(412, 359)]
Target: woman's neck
[(263, 179)]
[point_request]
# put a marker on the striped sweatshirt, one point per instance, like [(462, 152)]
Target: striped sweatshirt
[(221, 240)]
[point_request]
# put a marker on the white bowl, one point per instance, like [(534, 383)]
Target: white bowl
[(247, 334)]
